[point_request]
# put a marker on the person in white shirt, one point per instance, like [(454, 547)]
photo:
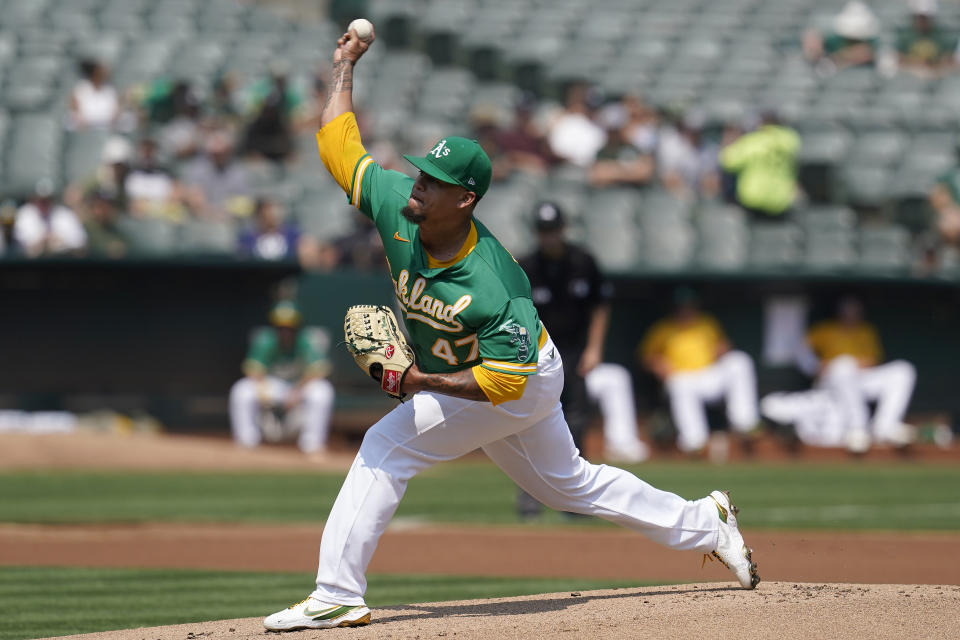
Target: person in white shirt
[(574, 136), (93, 101), (43, 226)]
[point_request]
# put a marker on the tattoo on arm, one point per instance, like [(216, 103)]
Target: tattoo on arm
[(341, 83), (461, 384)]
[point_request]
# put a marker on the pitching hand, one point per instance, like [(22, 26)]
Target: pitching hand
[(350, 47)]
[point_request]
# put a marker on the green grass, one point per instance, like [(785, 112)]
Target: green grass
[(39, 602), (796, 496)]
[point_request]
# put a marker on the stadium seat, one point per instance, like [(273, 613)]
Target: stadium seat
[(865, 186), (33, 153), (148, 237), (775, 245), (879, 148), (204, 237), (830, 251), (886, 248), (83, 151)]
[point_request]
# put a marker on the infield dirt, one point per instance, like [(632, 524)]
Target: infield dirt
[(779, 610), (815, 608)]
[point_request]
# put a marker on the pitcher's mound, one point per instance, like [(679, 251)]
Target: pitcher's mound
[(777, 610)]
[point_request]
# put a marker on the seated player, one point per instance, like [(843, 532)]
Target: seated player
[(850, 356), (690, 354), (610, 386), (285, 369)]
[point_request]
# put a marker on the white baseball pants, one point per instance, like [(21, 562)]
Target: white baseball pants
[(610, 386), (528, 439), (853, 386), (248, 395), (732, 378)]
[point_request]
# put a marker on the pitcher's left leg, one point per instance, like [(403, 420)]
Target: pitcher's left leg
[(543, 461)]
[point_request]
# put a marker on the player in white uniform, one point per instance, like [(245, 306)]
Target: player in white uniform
[(487, 374), (285, 389)]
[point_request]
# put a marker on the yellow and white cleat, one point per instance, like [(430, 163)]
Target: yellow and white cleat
[(731, 550), (313, 614)]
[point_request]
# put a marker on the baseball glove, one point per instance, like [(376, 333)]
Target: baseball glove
[(374, 340)]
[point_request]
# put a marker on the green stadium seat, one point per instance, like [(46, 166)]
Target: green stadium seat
[(148, 237), (775, 245), (880, 148), (866, 187), (204, 237), (724, 237), (83, 151), (827, 219), (830, 251), (33, 153), (886, 247)]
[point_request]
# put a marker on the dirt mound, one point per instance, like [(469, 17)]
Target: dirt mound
[(775, 610)]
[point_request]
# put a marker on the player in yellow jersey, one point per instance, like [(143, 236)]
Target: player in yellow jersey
[(691, 355), (850, 356)]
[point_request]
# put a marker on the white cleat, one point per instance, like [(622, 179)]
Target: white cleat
[(313, 614), (731, 550)]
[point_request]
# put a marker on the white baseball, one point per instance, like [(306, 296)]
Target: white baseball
[(363, 27)]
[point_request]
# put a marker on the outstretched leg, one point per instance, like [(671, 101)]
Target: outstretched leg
[(543, 461)]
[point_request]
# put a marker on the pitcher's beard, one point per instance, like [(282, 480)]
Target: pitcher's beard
[(412, 216)]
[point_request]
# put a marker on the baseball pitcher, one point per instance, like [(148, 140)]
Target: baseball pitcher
[(486, 374)]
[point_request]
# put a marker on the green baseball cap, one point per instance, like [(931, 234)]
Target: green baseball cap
[(456, 160)]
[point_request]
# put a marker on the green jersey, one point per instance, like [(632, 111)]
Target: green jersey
[(308, 355), (475, 310)]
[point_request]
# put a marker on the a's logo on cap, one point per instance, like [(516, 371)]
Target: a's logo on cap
[(471, 182), (440, 150)]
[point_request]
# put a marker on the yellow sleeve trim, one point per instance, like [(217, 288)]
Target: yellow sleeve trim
[(341, 149), (509, 367), (499, 387)]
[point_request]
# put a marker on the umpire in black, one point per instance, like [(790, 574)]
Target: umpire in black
[(573, 299)]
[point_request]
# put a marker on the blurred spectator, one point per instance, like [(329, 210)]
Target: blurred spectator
[(849, 353), (104, 240), (110, 177), (362, 248), (285, 369), (222, 105), (218, 182), (642, 127), (271, 238), (764, 162), (619, 162), (521, 145), (8, 218), (691, 355), (45, 227), (270, 133), (924, 47), (945, 200), (687, 166), (851, 43), (181, 135), (573, 136), (93, 100), (152, 191)]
